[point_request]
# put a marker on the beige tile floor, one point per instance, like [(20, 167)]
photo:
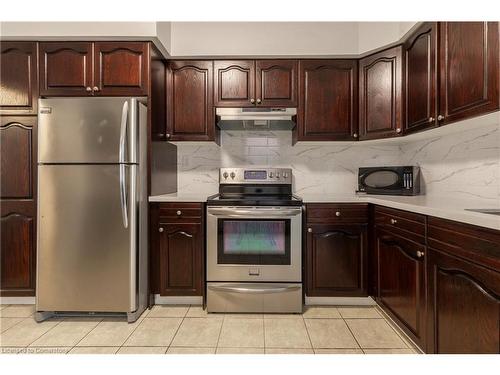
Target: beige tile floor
[(190, 330)]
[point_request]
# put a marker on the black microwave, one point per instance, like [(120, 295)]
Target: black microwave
[(389, 180)]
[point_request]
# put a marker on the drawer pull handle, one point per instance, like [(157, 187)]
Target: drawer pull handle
[(393, 221), (179, 213), (420, 254), (337, 213), (160, 229), (309, 230)]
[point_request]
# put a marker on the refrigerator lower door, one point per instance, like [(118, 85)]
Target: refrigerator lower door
[(86, 258)]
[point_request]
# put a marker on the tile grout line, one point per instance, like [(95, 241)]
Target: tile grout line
[(406, 339), (308, 336), (352, 333), (220, 333), (177, 330), (88, 333), (43, 334)]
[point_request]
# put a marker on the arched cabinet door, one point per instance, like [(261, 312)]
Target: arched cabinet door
[(66, 69), (180, 259), (336, 260), (121, 68), (18, 78), (380, 94), (464, 306), (234, 83), (276, 83)]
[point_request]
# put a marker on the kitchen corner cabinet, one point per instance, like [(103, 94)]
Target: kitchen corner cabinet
[(18, 137), (18, 78), (328, 100), (400, 269), (94, 69), (469, 69), (421, 57), (249, 83), (463, 288), (380, 94), (336, 250), (190, 111), (177, 249)]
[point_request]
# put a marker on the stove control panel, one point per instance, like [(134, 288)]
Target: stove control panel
[(255, 176)]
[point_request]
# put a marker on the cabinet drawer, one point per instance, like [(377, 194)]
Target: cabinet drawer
[(180, 212), (402, 222), (337, 213)]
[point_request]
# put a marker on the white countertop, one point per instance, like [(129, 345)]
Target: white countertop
[(441, 207)]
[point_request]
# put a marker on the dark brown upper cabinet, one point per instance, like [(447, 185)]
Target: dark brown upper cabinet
[(328, 100), (121, 68), (101, 68), (18, 78), (276, 83), (234, 83), (421, 57), (469, 68), (380, 94), (66, 69), (190, 109)]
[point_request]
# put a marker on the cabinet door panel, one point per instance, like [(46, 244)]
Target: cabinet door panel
[(65, 69), (234, 83), (180, 257), (327, 100), (464, 306), (17, 157), (276, 82), (18, 78), (189, 96), (336, 260), (121, 68), (380, 105), (469, 69), (401, 284), (421, 78)]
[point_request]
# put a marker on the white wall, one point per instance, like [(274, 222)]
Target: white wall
[(164, 34), (373, 35)]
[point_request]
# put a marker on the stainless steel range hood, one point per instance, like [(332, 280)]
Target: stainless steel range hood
[(256, 118)]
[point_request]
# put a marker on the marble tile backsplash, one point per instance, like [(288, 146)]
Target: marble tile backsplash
[(463, 165)]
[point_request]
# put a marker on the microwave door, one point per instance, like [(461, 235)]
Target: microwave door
[(87, 130), (381, 180)]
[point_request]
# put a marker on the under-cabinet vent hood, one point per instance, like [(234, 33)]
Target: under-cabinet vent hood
[(256, 118)]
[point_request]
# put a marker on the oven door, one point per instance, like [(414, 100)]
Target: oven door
[(254, 244)]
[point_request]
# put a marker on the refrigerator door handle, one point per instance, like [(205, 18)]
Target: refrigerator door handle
[(123, 132), (123, 196)]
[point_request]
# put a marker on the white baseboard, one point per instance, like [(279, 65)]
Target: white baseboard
[(343, 301), (178, 300), (17, 300)]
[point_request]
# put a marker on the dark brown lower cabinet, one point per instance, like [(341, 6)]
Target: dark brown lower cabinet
[(401, 281), (177, 249), (336, 260)]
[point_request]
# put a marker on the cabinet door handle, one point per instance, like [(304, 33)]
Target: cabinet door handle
[(179, 213), (88, 89), (393, 221), (337, 213), (440, 118), (398, 130), (252, 101), (259, 101), (309, 230), (355, 135), (420, 254), (160, 229), (95, 88), (167, 136), (431, 119)]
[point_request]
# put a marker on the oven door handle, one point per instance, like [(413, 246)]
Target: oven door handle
[(253, 290), (251, 213)]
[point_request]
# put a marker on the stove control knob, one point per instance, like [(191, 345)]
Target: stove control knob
[(271, 174), (285, 175), (225, 175), (233, 175), (277, 175)]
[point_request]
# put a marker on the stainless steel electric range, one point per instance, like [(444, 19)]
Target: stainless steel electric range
[(254, 242)]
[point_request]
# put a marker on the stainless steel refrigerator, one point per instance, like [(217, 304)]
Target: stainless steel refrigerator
[(92, 206)]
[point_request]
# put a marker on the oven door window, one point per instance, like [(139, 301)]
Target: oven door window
[(257, 241)]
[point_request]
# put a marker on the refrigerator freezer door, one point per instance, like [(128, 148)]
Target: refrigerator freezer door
[(86, 256), (87, 130)]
